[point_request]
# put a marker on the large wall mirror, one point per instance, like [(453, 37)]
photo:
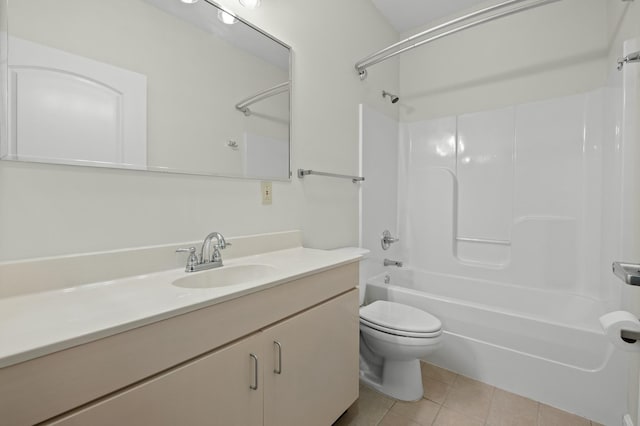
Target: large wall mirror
[(159, 85)]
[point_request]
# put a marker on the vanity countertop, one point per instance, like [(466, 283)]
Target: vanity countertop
[(38, 324)]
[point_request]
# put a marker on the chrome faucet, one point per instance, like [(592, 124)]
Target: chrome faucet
[(206, 255), (208, 258), (388, 262)]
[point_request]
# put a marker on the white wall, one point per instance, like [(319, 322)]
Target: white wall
[(555, 50), (51, 210)]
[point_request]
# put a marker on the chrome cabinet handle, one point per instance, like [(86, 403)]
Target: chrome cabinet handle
[(279, 369), (254, 386)]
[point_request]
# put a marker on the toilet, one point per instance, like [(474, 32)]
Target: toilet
[(393, 339)]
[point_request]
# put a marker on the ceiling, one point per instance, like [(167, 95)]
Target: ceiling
[(405, 15)]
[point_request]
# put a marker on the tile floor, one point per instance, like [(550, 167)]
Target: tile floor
[(454, 400)]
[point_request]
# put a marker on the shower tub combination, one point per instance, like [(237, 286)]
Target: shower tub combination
[(541, 344)]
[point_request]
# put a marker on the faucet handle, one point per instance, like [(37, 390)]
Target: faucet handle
[(216, 256), (386, 240), (221, 245), (192, 261), (190, 250)]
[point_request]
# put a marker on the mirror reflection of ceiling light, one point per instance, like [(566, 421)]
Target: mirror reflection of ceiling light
[(250, 4), (226, 18), (189, 1)]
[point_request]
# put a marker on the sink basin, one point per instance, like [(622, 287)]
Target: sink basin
[(225, 276)]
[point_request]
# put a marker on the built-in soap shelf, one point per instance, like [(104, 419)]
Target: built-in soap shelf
[(627, 272)]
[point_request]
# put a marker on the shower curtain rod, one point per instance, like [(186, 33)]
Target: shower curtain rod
[(396, 48), (243, 105)]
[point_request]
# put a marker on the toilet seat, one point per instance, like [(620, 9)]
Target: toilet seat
[(400, 333), (401, 320), (399, 340)]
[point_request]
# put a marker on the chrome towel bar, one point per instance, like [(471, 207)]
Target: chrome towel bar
[(302, 173)]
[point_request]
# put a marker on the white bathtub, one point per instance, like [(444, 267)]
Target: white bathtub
[(544, 345)]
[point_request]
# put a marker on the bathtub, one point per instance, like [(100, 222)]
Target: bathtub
[(544, 345)]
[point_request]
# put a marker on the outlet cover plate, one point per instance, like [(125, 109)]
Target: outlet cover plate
[(266, 190)]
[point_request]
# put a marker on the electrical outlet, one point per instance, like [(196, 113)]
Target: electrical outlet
[(267, 192)]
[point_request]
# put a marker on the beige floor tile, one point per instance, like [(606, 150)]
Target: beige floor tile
[(449, 417), (422, 412), (508, 409), (393, 419), (435, 390), (437, 373), (368, 410), (470, 397), (549, 416)]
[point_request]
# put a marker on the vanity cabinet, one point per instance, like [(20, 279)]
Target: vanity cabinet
[(311, 360), (300, 370)]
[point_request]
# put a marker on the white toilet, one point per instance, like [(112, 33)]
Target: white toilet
[(393, 338)]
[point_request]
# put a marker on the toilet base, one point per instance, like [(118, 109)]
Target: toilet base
[(401, 380)]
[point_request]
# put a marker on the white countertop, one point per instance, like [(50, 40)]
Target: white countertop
[(38, 324)]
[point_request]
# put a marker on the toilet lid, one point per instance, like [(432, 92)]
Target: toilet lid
[(395, 316), (366, 324)]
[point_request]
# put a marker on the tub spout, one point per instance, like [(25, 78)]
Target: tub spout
[(389, 262)]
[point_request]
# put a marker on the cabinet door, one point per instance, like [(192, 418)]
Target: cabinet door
[(311, 374), (211, 390)]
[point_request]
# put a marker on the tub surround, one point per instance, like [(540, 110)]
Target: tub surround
[(78, 345), (511, 195)]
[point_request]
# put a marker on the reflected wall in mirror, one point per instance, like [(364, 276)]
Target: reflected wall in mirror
[(145, 84)]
